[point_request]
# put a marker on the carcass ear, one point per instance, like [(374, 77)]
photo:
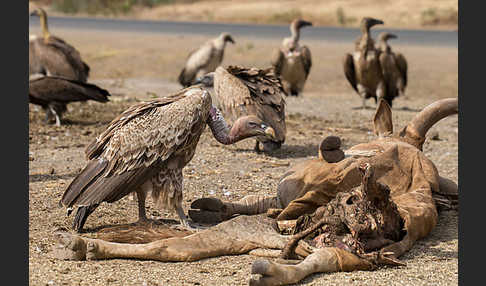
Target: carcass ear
[(382, 120)]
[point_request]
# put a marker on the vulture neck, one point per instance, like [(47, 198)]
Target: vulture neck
[(45, 29), (384, 46), (220, 129), (366, 42), (295, 33), (220, 43)]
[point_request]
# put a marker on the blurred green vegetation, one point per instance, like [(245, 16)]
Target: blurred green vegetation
[(107, 7)]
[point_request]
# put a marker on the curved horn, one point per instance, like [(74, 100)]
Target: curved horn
[(431, 114)]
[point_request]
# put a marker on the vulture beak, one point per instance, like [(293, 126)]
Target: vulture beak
[(269, 132), (230, 39), (34, 13), (392, 36), (376, 22), (305, 23)]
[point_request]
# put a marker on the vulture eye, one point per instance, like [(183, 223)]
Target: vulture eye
[(252, 124), (263, 126)]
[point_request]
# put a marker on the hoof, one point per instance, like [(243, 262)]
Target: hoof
[(260, 267), (209, 204), (91, 251), (70, 247)]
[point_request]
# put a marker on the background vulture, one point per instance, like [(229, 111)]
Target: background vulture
[(53, 93), (204, 60), (292, 62), (362, 68), (394, 68), (242, 91), (50, 55), (145, 148)]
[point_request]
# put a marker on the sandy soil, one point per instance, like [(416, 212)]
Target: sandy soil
[(134, 67)]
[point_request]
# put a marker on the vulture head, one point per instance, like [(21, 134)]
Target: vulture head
[(227, 38), (299, 23), (39, 12), (249, 126), (385, 36), (368, 22), (206, 80)]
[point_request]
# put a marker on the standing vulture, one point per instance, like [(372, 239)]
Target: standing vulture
[(204, 60), (242, 91), (394, 67), (50, 55), (145, 149), (362, 68), (53, 93), (292, 61)]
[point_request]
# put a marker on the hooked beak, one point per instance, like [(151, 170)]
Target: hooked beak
[(231, 40), (34, 13), (269, 132)]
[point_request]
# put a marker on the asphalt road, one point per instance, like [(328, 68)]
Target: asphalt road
[(337, 34)]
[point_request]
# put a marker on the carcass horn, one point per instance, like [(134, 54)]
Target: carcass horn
[(414, 133)]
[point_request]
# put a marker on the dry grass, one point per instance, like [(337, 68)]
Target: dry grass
[(414, 14)]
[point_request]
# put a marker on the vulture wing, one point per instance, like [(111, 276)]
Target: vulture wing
[(60, 59), (60, 89), (241, 91), (277, 61), (349, 71), (136, 146), (306, 59), (196, 60), (402, 67)]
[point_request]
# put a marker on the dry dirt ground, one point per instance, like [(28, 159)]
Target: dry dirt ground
[(134, 67)]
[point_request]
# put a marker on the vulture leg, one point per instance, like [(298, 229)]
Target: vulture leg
[(257, 146), (362, 92), (58, 118), (141, 195)]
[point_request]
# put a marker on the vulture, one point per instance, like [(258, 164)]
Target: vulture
[(362, 68), (292, 61), (394, 67), (204, 60), (51, 55), (53, 93), (145, 148), (240, 91)]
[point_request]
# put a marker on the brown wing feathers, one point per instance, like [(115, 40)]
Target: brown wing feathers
[(61, 89), (133, 148)]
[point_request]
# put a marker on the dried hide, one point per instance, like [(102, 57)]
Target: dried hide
[(355, 214)]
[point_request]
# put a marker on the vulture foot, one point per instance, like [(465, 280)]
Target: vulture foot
[(70, 247)]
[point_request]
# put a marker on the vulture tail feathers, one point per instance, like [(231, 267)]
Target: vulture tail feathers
[(89, 174)]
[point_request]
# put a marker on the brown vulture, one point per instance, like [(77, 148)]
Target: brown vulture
[(145, 148), (53, 93), (240, 91), (362, 68), (394, 67), (204, 60), (51, 55), (292, 61)]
